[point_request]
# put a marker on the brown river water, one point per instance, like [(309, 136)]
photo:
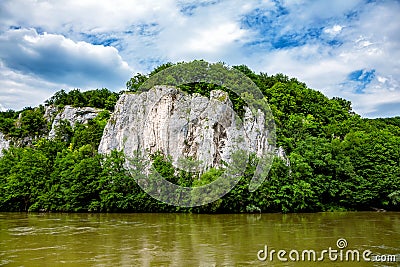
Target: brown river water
[(51, 239)]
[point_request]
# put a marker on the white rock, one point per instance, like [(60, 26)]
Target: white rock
[(50, 112), (168, 120), (72, 115), (4, 143)]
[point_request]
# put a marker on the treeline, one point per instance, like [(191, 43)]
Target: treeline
[(100, 98), (30, 123), (338, 160)]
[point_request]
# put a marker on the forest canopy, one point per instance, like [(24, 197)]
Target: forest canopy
[(338, 160)]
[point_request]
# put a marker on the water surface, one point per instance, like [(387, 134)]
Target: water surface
[(31, 239)]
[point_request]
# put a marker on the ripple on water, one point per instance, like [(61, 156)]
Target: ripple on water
[(62, 230), (182, 240), (21, 231), (4, 262), (13, 253)]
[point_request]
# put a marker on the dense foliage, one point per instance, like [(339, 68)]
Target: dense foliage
[(100, 98), (338, 160), (26, 124)]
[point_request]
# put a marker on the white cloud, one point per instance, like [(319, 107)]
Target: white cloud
[(36, 65), (212, 39), (212, 33), (334, 30), (377, 98), (83, 16), (59, 59), (319, 42), (306, 11), (2, 108), (19, 90), (368, 41)]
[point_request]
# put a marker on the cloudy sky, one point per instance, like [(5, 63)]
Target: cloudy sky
[(345, 48)]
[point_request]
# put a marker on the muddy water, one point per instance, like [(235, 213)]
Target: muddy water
[(197, 240)]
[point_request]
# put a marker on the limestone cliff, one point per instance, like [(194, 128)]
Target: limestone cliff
[(4, 143), (71, 114), (182, 125)]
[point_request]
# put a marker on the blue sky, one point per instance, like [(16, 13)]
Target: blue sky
[(345, 48)]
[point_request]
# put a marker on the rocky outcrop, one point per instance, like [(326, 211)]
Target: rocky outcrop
[(4, 144), (50, 112), (168, 120), (72, 115), (282, 155)]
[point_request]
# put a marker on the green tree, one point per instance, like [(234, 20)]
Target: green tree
[(135, 82), (22, 183)]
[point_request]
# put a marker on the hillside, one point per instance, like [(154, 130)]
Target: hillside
[(338, 160)]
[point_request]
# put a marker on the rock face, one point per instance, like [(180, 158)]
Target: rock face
[(50, 112), (181, 125), (72, 115), (282, 155), (4, 144)]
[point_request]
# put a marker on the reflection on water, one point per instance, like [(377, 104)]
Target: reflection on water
[(188, 239)]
